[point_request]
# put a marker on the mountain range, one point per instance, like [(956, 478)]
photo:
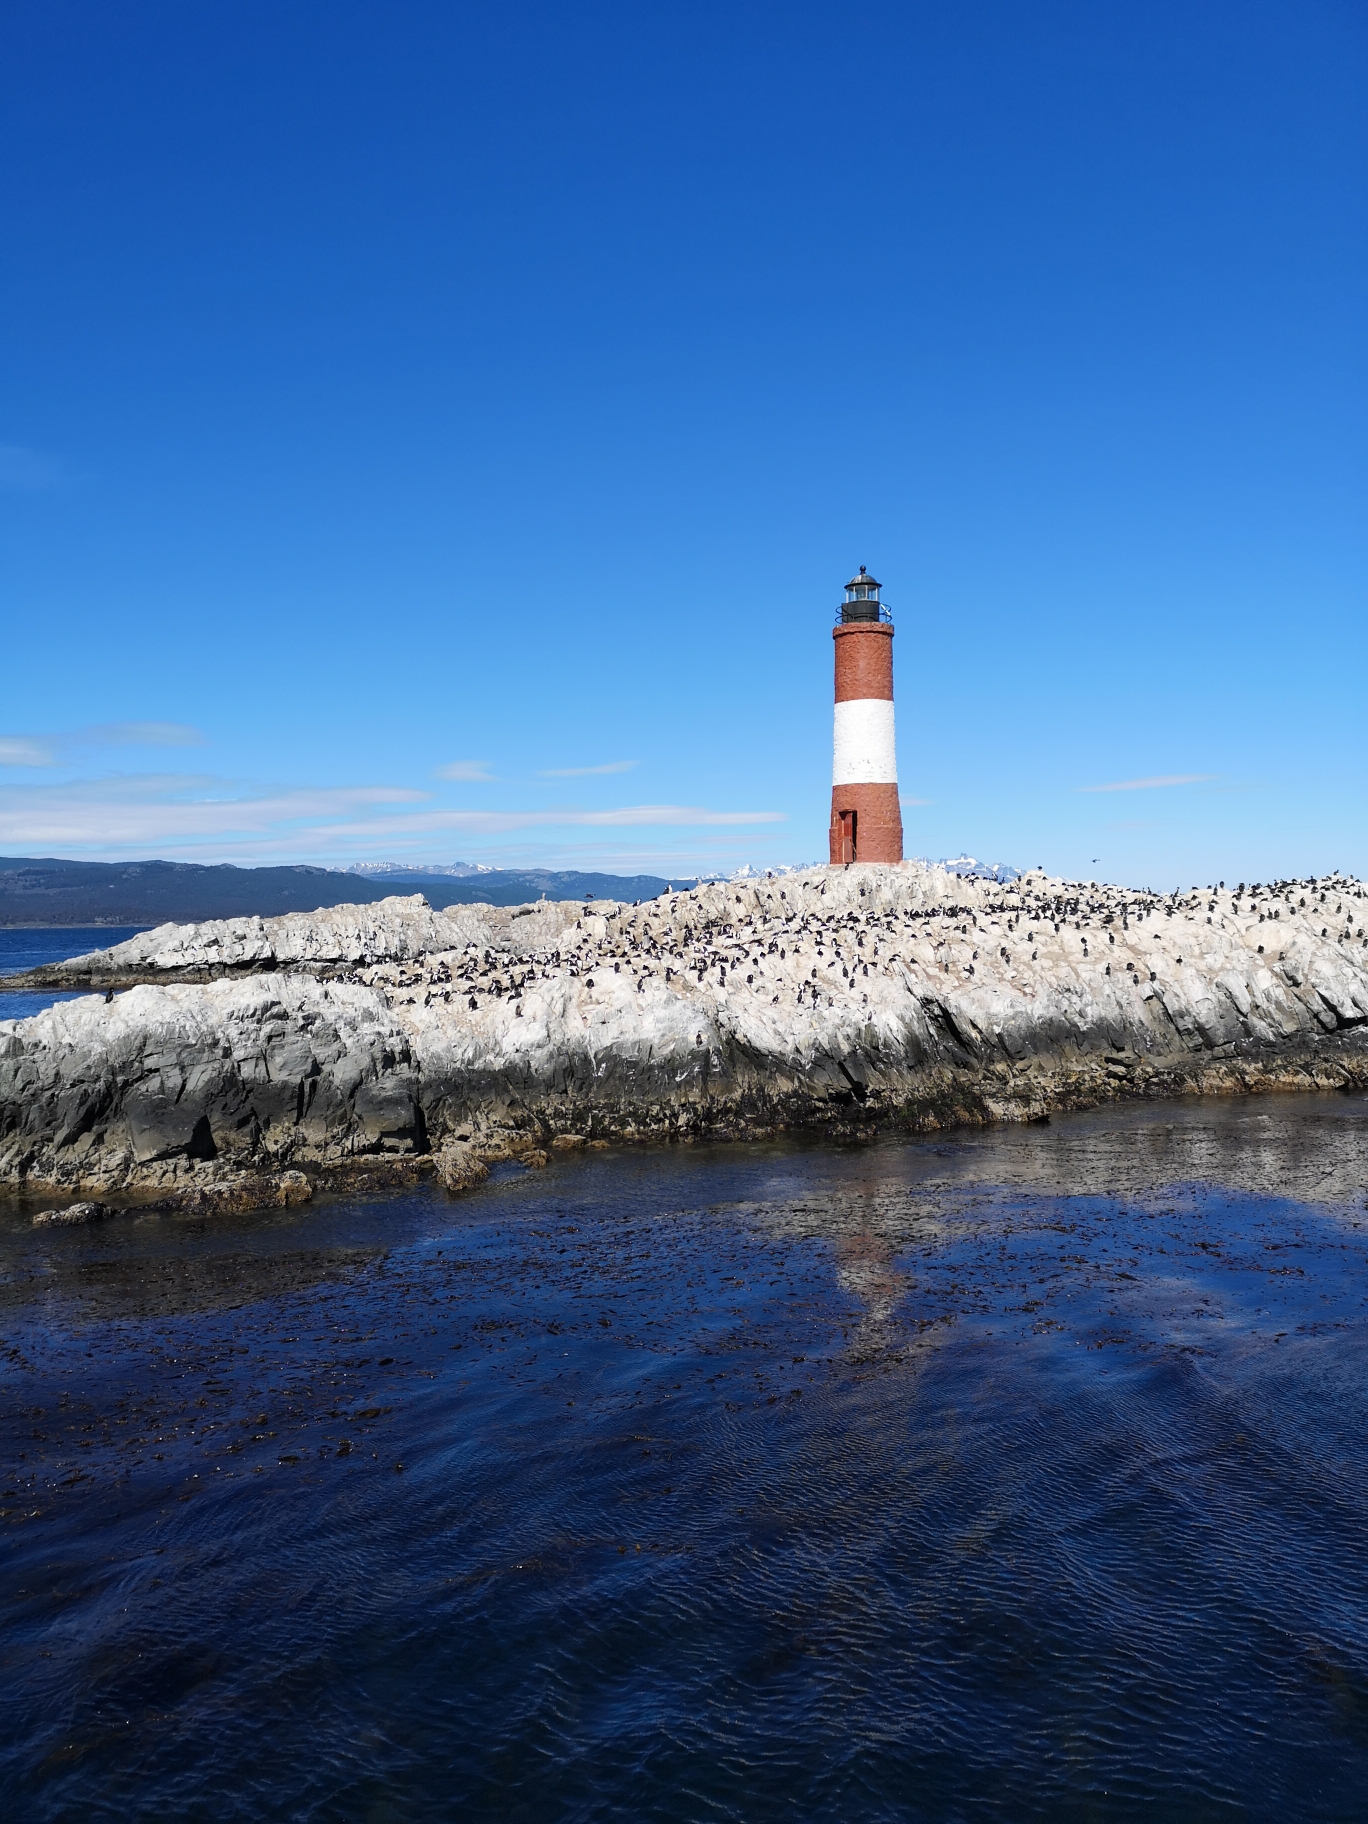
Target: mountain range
[(51, 891)]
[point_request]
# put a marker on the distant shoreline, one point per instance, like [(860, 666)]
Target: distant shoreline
[(75, 924), (44, 893)]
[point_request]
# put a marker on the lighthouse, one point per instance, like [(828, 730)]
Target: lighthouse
[(866, 824)]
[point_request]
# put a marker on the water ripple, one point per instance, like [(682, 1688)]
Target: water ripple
[(1022, 1475)]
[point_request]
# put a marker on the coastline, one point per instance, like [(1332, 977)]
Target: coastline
[(252, 1060)]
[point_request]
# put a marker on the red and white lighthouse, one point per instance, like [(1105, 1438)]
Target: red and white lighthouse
[(866, 823)]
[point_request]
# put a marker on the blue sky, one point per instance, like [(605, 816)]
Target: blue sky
[(433, 433)]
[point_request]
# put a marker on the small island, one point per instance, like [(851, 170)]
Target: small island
[(246, 1061)]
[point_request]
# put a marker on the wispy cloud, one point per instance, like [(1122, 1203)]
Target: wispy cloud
[(1148, 785), (908, 803), (148, 810), (474, 771), (586, 772), (139, 734), (51, 750), (16, 751), (148, 813), (28, 469)]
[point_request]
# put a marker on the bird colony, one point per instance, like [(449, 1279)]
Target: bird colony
[(244, 1060)]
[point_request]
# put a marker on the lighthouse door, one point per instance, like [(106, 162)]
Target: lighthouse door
[(848, 837)]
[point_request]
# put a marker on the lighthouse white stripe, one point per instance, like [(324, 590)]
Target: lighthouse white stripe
[(865, 753)]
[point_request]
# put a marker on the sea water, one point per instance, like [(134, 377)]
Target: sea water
[(1018, 1474), (25, 947)]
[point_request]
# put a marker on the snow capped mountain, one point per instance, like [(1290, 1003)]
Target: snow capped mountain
[(978, 870), (457, 870), (749, 873)]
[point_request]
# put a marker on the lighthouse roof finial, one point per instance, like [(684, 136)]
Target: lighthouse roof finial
[(864, 581)]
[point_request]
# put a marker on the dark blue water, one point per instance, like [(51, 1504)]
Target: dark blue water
[(1022, 1475), (25, 947)]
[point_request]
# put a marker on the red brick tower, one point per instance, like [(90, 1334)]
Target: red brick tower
[(866, 823)]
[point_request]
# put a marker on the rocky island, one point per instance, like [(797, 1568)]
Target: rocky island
[(245, 1060)]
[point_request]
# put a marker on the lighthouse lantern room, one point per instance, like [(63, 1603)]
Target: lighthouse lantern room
[(866, 822)]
